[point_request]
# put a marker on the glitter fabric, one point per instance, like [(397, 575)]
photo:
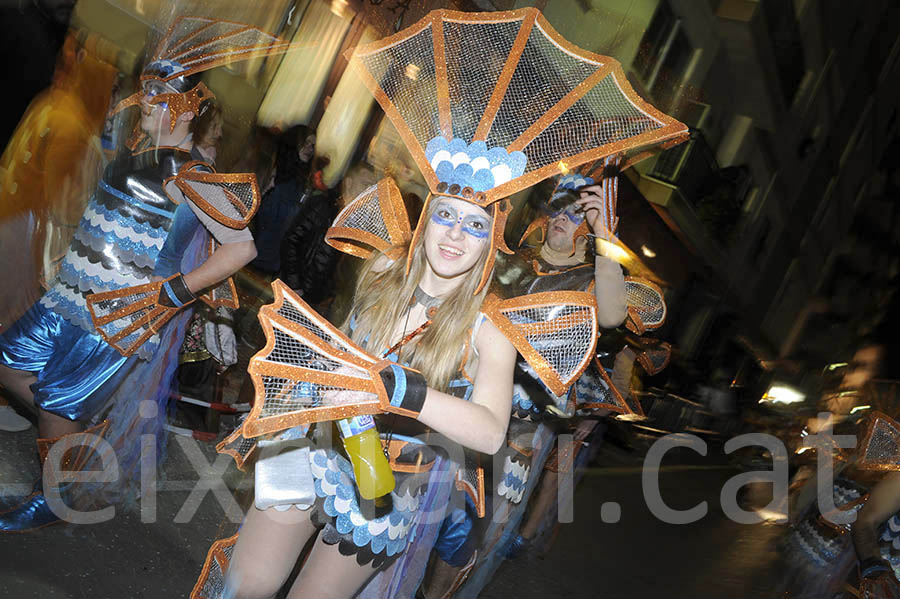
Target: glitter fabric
[(880, 449), (375, 220), (305, 363), (489, 104), (555, 331)]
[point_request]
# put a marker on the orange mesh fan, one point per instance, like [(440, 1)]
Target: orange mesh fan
[(555, 331), (491, 103), (880, 449), (305, 360), (646, 306), (126, 318), (375, 220)]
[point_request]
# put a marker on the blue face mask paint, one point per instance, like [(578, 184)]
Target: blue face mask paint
[(475, 225), (573, 212)]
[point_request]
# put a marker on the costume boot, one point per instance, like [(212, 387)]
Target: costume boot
[(35, 512)]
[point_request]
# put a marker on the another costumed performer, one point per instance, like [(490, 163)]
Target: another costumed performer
[(99, 349), (853, 550), (576, 239)]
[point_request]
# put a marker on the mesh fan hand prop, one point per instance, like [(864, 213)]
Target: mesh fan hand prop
[(555, 331), (127, 318), (309, 371)]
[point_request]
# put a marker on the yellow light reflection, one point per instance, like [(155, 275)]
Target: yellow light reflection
[(613, 251), (782, 394)]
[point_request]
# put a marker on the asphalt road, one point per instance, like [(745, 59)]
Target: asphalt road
[(637, 557), (641, 556)]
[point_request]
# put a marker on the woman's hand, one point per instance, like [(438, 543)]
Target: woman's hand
[(343, 397)]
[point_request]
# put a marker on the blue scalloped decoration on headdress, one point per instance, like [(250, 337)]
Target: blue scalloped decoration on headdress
[(570, 182), (164, 68), (473, 165), (573, 181)]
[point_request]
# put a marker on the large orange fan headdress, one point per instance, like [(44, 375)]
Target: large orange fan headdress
[(491, 103)]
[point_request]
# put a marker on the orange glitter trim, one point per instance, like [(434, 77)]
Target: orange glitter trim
[(185, 176), (440, 76), (494, 309), (216, 552), (865, 463)]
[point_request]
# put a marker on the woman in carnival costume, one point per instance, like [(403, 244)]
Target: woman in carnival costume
[(854, 549), (95, 344), (479, 131)]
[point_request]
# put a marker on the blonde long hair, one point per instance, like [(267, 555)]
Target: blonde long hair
[(383, 297)]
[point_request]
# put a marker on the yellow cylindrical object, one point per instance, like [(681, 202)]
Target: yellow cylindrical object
[(371, 468)]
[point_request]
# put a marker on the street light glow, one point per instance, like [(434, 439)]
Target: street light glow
[(782, 394)]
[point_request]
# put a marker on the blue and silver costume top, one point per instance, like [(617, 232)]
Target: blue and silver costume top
[(119, 237)]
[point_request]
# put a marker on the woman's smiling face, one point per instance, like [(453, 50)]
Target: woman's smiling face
[(456, 236)]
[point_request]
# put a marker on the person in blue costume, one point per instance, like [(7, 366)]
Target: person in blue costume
[(138, 228), (853, 550), (876, 535)]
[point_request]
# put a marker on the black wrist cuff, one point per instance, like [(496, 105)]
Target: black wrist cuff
[(873, 566), (405, 388), (175, 293)]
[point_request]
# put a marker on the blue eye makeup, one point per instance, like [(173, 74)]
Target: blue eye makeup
[(573, 212), (472, 224)]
